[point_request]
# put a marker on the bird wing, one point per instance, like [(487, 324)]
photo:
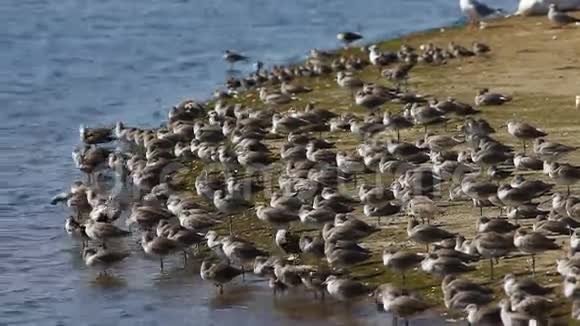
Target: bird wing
[(565, 19), (483, 10)]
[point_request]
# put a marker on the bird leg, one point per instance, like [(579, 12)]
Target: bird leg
[(404, 278), (184, 258), (534, 265), (161, 263), (491, 268), (524, 142), (398, 136), (221, 288)]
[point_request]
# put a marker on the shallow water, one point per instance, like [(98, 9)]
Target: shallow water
[(70, 62)]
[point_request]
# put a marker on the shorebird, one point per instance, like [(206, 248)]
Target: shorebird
[(348, 37), (532, 243), (484, 97), (374, 195), (552, 226), (522, 162), (158, 246), (351, 222), (365, 129), (511, 285), (91, 136), (426, 233), (481, 315), (293, 89), (102, 257), (401, 261), (510, 317), (371, 101), (197, 220), (498, 225), (571, 288), (219, 273), (273, 98), (492, 245), (478, 190), (559, 18), (536, 187), (350, 164), (443, 266), (346, 289), (399, 74), (551, 151), (289, 275), (404, 306), (229, 205), (74, 228), (347, 80), (568, 266), (480, 48), (345, 232), (345, 253), (441, 143), (533, 307), (564, 174), (458, 299), (465, 246), (102, 231), (426, 116), (337, 204), (476, 11), (382, 210), (312, 246), (232, 57), (575, 241), (397, 123), (524, 131), (240, 251), (422, 207), (318, 216), (90, 159), (183, 236), (452, 285), (276, 216), (380, 59), (314, 281), (459, 50), (287, 242), (514, 197)]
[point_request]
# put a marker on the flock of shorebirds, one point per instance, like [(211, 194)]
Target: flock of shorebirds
[(310, 177)]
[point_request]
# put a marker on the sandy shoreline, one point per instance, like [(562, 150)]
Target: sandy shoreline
[(529, 60)]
